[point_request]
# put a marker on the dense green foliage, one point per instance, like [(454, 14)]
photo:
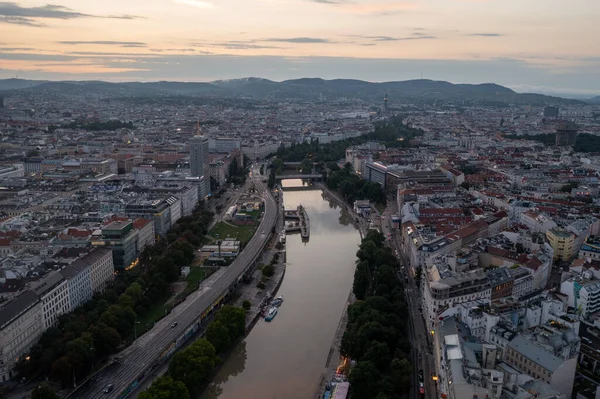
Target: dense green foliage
[(43, 392), (237, 174), (194, 365), (376, 334), (353, 187), (97, 329), (191, 369), (390, 132), (585, 142), (165, 387)]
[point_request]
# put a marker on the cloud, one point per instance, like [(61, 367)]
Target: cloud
[(298, 40), (104, 42), (19, 21), (240, 45), (416, 36), (485, 34), (16, 49), (179, 50), (332, 2), (195, 3), (13, 13)]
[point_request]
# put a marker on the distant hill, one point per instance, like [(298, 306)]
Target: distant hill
[(421, 90), (594, 100), (14, 84)]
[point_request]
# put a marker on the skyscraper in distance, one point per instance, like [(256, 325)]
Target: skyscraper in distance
[(199, 163)]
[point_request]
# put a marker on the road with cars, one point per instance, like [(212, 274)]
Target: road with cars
[(145, 351), (422, 354)]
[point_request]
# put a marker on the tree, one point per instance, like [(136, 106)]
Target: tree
[(268, 270), (165, 387), (234, 319), (194, 365), (246, 305), (43, 392), (361, 282), (306, 166), (218, 335), (401, 374), (364, 380), (106, 339), (62, 370), (378, 353)]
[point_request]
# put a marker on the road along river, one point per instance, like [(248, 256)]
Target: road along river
[(284, 359)]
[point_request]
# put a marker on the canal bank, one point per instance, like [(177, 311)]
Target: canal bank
[(285, 358)]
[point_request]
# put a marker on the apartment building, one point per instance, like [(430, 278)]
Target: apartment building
[(540, 361), (21, 325), (590, 248), (53, 291), (79, 282), (562, 242), (26, 317), (145, 230), (583, 294), (444, 289), (102, 268)]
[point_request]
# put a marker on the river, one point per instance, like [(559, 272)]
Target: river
[(284, 359)]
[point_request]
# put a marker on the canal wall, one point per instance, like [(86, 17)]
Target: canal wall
[(335, 198), (334, 356), (272, 287)]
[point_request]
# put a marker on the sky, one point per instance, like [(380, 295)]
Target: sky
[(548, 46)]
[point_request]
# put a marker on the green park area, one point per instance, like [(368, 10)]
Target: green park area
[(223, 230)]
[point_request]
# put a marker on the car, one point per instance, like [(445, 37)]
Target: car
[(109, 388), (174, 325)]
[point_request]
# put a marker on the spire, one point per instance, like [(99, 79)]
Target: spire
[(197, 129)]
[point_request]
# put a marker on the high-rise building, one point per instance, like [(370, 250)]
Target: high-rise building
[(199, 163), (1, 102), (566, 134)]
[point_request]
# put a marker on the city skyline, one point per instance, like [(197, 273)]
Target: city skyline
[(541, 46)]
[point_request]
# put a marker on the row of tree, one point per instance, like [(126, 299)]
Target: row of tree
[(376, 334), (352, 187), (191, 369), (70, 350), (391, 132)]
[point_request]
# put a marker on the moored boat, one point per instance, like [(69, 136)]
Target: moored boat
[(277, 301), (271, 315)]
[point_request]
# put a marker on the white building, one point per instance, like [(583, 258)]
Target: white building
[(145, 230), (175, 208), (79, 282), (444, 290), (537, 222), (20, 327), (101, 268), (53, 291)]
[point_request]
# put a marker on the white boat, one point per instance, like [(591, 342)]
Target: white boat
[(271, 315)]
